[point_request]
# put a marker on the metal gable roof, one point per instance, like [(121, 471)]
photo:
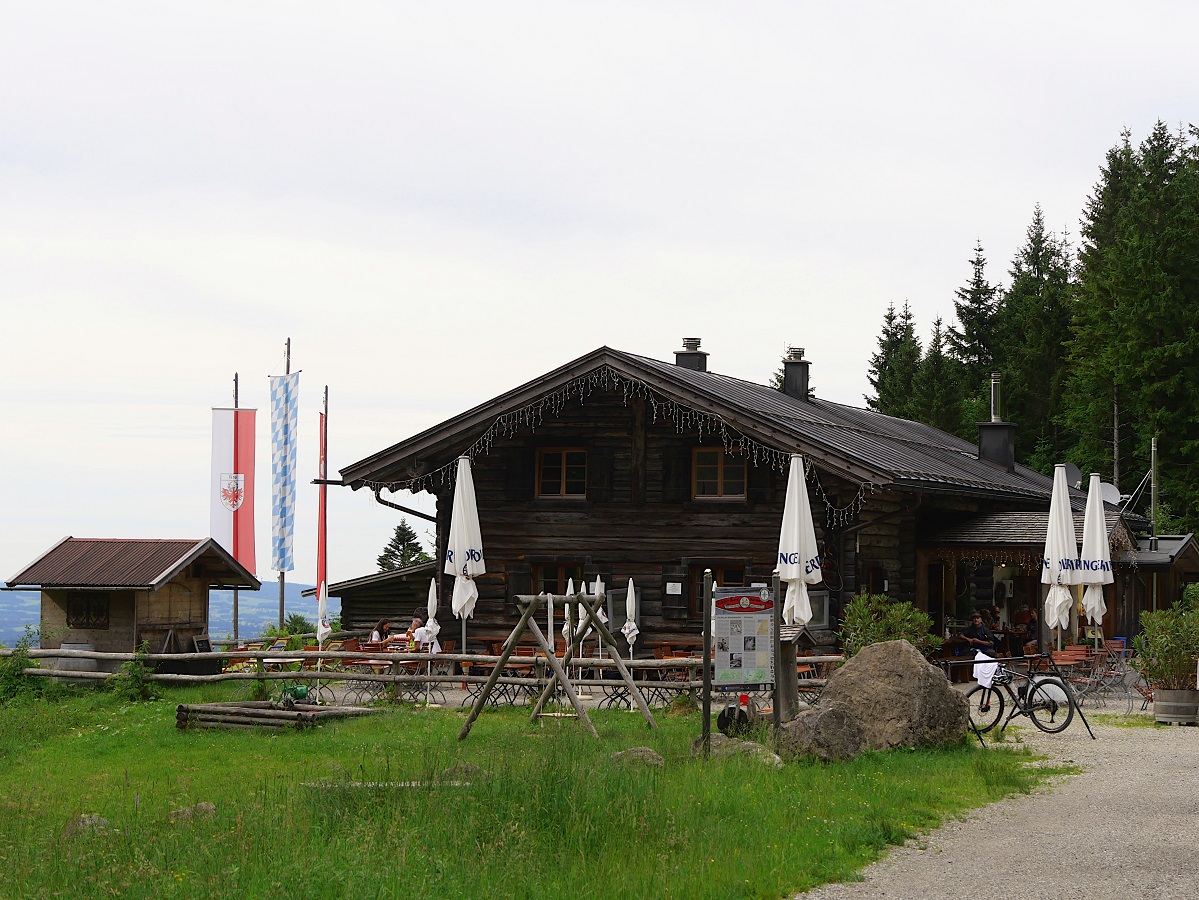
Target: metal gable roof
[(856, 442), (126, 563)]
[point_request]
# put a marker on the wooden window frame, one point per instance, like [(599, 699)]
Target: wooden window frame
[(695, 580), (540, 569), (537, 484), (720, 496)]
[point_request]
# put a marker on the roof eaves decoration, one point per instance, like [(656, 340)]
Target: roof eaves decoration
[(858, 445)]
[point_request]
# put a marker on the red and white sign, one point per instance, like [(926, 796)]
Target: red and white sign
[(232, 490)]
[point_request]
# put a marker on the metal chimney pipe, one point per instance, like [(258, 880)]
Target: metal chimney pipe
[(995, 397)]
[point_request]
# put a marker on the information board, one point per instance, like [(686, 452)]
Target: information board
[(743, 639)]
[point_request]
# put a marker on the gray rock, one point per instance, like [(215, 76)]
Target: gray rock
[(901, 699), (464, 772), (86, 823), (639, 755), (723, 747), (202, 810), (828, 731)]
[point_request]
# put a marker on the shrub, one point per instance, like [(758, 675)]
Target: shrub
[(871, 618), (1169, 648), (12, 682), (133, 681)]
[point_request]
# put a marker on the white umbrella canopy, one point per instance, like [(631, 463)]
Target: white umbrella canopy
[(464, 550), (567, 627), (1095, 561), (630, 629), (1060, 566), (432, 625), (799, 555), (322, 614)]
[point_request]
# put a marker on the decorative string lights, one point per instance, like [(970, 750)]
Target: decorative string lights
[(662, 409)]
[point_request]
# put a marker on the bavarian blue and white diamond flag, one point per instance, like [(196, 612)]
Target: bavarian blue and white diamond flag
[(285, 404)]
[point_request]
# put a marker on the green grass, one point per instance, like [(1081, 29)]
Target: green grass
[(556, 817)]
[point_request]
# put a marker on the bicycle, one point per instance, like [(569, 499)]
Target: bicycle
[(1045, 699)]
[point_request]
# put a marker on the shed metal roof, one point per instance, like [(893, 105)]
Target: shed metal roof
[(377, 578), (853, 442), (128, 563)]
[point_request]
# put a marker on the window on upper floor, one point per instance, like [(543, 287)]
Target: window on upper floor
[(562, 473), (716, 475)]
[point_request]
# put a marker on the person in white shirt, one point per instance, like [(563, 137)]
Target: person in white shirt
[(422, 635)]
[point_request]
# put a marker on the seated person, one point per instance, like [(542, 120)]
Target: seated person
[(422, 635), (382, 631), (979, 636)]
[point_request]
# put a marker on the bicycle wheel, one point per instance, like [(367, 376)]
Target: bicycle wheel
[(1049, 705), (986, 706)]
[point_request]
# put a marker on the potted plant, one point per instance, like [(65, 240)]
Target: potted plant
[(1169, 653)]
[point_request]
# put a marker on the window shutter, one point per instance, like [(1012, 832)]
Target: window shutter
[(676, 475), (601, 462)]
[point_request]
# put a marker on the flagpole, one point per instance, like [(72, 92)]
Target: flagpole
[(282, 574), (322, 577), (235, 548)]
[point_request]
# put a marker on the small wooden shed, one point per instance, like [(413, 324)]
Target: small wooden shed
[(394, 595), (115, 593)]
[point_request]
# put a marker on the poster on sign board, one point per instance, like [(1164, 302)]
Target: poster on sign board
[(743, 639)]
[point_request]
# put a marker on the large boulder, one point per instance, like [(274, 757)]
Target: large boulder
[(900, 698), (828, 731)]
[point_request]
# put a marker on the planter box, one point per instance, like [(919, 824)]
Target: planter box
[(1176, 707)]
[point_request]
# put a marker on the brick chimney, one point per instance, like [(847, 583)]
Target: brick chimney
[(997, 439), (691, 357), (795, 374)]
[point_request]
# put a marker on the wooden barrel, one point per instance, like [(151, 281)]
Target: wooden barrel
[(1176, 707), (75, 664)]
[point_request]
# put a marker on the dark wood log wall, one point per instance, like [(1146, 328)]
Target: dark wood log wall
[(639, 519)]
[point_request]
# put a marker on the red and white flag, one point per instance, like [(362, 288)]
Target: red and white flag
[(232, 490)]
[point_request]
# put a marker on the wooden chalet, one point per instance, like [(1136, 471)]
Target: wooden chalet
[(617, 465), (115, 593)]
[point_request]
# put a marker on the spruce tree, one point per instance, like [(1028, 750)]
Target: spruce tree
[(895, 365), (1034, 330), (972, 343), (937, 401), (403, 550)]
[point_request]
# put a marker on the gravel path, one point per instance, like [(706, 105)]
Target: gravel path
[(1136, 800)]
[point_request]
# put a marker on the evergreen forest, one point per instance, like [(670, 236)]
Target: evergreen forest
[(1097, 345)]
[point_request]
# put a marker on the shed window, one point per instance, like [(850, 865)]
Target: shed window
[(562, 472), (717, 475), (87, 610)]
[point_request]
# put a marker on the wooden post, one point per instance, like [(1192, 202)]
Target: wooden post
[(509, 646), (625, 674), (707, 702), (561, 675), (777, 650)]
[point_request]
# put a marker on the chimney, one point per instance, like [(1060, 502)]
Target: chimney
[(795, 374), (691, 357), (997, 439)]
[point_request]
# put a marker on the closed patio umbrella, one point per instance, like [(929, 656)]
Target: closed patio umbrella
[(799, 556), (1095, 561), (431, 624), (1060, 566), (464, 549), (630, 629)]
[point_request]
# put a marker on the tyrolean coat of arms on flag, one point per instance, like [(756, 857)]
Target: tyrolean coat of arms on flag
[(233, 491)]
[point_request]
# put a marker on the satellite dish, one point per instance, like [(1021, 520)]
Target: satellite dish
[(1110, 493), (1073, 475)]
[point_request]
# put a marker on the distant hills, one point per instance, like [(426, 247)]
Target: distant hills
[(256, 610)]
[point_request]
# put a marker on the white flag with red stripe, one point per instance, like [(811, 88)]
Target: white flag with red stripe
[(232, 489)]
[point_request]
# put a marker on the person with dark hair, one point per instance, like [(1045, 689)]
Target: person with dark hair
[(978, 635), (381, 632)]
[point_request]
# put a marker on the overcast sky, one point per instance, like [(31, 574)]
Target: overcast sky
[(439, 201)]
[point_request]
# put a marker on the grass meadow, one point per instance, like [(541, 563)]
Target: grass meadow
[(555, 816)]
